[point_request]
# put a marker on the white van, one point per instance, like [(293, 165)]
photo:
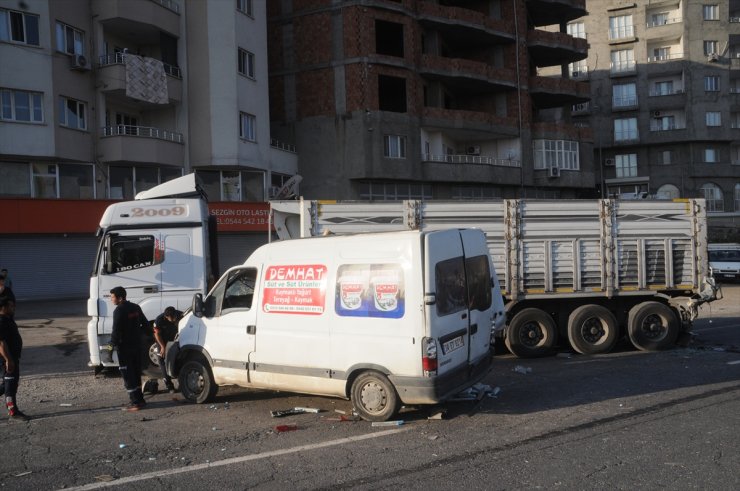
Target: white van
[(724, 261), (382, 319)]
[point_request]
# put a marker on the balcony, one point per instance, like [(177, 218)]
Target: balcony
[(626, 137), (141, 144), (471, 160), (663, 21), (465, 125), (144, 17), (624, 103), (465, 26), (672, 126), (620, 68), (666, 92), (621, 34), (467, 75), (665, 57), (112, 76), (555, 48), (549, 12), (552, 92)]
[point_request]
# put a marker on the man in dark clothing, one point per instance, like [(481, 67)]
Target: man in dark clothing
[(129, 324), (11, 345), (165, 330), (5, 291)]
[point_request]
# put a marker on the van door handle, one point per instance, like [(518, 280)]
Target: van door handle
[(465, 316), (151, 289), (251, 329), (473, 329)]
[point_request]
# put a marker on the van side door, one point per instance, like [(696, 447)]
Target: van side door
[(229, 329), (478, 271)]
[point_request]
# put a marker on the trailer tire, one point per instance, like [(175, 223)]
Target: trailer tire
[(592, 329), (652, 326), (196, 382), (531, 334), (374, 397)]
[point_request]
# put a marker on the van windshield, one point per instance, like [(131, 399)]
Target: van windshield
[(724, 256)]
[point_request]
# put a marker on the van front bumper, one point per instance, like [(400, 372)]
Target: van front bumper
[(432, 390)]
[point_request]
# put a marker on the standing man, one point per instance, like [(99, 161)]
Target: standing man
[(11, 345), (8, 281), (165, 330), (5, 290), (129, 324)]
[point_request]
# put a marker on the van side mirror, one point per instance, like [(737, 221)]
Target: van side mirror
[(198, 305)]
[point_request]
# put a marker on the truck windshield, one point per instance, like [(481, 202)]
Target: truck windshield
[(725, 256)]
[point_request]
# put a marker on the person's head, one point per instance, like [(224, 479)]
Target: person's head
[(7, 306), (3, 272), (2, 281), (118, 295), (170, 313)]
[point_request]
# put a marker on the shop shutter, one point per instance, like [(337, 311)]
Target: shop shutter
[(234, 249)]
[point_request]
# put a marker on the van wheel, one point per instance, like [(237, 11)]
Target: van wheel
[(531, 334), (592, 329), (652, 326), (153, 354), (196, 382), (374, 397)]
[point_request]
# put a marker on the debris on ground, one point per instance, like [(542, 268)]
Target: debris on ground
[(104, 478), (23, 474), (296, 410), (65, 404), (340, 411), (284, 428), (438, 414), (564, 355), (344, 418), (522, 370), (433, 437), (121, 445), (387, 423), (312, 410)]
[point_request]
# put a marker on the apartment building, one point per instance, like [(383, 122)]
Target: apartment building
[(665, 100), (102, 99), (417, 99)]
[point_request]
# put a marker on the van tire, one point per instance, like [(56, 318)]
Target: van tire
[(531, 334), (196, 382), (652, 326), (592, 329), (374, 397)]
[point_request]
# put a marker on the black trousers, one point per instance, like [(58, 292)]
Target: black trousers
[(10, 381), (165, 375), (129, 364)]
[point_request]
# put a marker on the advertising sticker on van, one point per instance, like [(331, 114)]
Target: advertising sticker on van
[(295, 289), (370, 290)]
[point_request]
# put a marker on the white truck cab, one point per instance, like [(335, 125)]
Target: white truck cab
[(157, 248), (382, 319)]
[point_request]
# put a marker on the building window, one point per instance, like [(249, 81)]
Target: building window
[(621, 26), (663, 123), (389, 38), (624, 95), (392, 94), (233, 185), (14, 179), (663, 88), (625, 129), (658, 19), (563, 154), (70, 40), (248, 127), (668, 191), (19, 105), (666, 157), (662, 53), (577, 29), (737, 197), (578, 69), (76, 181), (72, 113), (710, 47), (714, 118), (626, 165), (394, 191), (713, 194), (710, 12), (245, 6), (19, 27), (711, 83), (246, 63), (622, 60), (710, 155), (44, 180), (394, 146)]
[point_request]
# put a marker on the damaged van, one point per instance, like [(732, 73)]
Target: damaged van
[(383, 319)]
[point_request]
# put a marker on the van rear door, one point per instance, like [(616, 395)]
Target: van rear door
[(478, 270), (448, 315)]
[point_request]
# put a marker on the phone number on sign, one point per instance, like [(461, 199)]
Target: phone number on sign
[(240, 221)]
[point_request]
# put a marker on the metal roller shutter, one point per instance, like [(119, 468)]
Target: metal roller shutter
[(48, 266), (234, 249)]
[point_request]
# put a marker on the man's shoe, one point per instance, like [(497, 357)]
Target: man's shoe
[(171, 388), (17, 415), (135, 406)]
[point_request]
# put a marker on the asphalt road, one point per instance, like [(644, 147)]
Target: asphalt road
[(624, 420)]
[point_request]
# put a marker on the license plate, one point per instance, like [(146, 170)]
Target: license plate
[(453, 344)]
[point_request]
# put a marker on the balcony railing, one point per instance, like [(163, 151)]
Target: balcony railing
[(665, 57), (282, 146), (626, 101), (623, 66), (142, 131), (663, 22), (734, 90), (621, 32), (169, 5), (583, 107), (734, 20), (666, 127), (626, 136), (117, 59), (662, 92), (470, 159), (579, 74)]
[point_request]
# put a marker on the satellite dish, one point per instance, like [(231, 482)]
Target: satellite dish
[(289, 190)]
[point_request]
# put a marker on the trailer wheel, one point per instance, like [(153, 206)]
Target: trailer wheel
[(592, 329), (652, 326), (196, 382), (374, 397), (531, 333)]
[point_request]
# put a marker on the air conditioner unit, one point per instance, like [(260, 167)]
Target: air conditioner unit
[(553, 172), (608, 162), (575, 74), (473, 150), (656, 114), (79, 62), (712, 57)]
